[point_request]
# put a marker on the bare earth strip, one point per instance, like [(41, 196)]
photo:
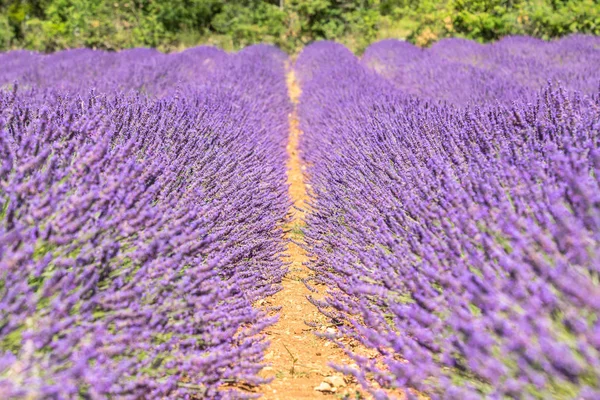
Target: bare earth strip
[(297, 356)]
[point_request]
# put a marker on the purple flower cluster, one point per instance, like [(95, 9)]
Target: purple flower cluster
[(144, 71), (141, 201), (460, 71), (461, 244)]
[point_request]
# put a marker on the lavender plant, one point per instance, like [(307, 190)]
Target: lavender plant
[(461, 244), (463, 72), (139, 221)]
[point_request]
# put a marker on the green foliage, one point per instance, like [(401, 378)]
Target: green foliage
[(486, 20), (49, 25), (250, 22)]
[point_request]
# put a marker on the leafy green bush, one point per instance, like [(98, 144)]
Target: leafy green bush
[(50, 25)]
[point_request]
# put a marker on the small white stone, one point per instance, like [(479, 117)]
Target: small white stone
[(325, 387)]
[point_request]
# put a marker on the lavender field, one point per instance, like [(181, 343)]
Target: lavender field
[(451, 229)]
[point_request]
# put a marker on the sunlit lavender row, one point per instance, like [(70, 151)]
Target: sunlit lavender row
[(141, 199), (463, 72), (455, 214)]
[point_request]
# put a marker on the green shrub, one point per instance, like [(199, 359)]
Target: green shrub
[(50, 25)]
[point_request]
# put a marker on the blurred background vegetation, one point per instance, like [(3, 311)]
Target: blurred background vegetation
[(49, 25)]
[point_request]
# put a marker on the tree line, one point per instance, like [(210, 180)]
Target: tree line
[(49, 25)]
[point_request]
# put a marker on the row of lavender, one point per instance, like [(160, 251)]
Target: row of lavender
[(145, 71), (462, 244), (141, 198), (461, 71)]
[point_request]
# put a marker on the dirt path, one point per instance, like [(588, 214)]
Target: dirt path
[(299, 358)]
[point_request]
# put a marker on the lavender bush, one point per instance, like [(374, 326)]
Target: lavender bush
[(140, 214), (463, 72), (462, 244)]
